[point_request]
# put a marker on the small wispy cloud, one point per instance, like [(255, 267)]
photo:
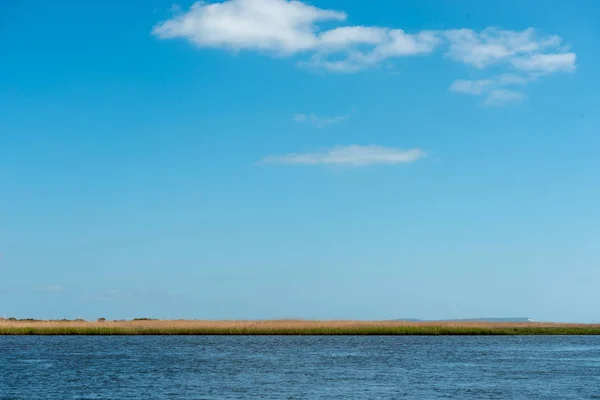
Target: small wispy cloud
[(495, 89), (352, 155), (319, 122), (530, 55), (495, 46), (474, 87), (498, 97)]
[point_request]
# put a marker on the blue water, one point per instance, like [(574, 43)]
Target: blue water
[(285, 367)]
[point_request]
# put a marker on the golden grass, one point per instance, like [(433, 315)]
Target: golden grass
[(290, 327)]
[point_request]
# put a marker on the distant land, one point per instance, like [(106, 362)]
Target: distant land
[(146, 326)]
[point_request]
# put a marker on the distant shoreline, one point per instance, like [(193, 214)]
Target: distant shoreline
[(289, 327)]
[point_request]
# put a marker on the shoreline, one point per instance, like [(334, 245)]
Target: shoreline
[(289, 327)]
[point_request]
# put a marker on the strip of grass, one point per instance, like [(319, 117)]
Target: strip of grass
[(361, 330)]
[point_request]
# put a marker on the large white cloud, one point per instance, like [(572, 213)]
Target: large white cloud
[(278, 26), (284, 27)]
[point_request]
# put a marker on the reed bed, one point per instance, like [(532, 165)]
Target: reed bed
[(289, 327)]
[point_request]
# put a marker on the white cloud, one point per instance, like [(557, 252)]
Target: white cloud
[(319, 122), (475, 87), (300, 117), (342, 37), (510, 79), (493, 45), (494, 89), (365, 47), (285, 27), (353, 155), (546, 63), (277, 26), (344, 65), (524, 51), (502, 96)]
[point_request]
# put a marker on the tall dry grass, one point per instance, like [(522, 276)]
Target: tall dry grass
[(290, 327)]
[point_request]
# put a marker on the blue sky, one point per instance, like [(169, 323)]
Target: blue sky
[(270, 159)]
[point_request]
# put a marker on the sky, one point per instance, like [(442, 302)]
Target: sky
[(249, 159)]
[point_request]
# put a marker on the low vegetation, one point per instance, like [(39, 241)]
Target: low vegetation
[(286, 327)]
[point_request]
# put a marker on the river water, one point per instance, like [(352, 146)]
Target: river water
[(299, 367)]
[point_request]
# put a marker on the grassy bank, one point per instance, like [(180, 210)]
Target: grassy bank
[(288, 327)]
